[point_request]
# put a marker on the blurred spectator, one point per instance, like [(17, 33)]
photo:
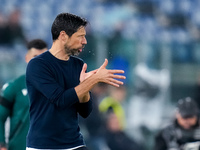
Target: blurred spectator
[(114, 101), (14, 103), (15, 29), (11, 31), (121, 50), (184, 130), (120, 44), (89, 54), (117, 139), (4, 30)]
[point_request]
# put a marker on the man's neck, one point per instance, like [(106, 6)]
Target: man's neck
[(59, 52)]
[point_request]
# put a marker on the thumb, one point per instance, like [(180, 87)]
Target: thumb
[(84, 68), (104, 64)]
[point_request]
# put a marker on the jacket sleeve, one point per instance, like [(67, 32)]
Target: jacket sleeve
[(84, 109)]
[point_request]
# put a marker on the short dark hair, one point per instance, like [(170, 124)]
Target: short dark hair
[(36, 43), (67, 22)]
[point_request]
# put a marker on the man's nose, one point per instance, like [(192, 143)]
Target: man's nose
[(84, 41)]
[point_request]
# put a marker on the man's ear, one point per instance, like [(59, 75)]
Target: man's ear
[(63, 36), (26, 58)]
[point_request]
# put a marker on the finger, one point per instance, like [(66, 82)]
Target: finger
[(118, 76), (116, 81), (116, 71), (104, 64), (84, 68), (113, 84)]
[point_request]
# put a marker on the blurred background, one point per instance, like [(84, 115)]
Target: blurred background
[(156, 42)]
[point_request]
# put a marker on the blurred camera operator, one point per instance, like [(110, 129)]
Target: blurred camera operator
[(184, 132)]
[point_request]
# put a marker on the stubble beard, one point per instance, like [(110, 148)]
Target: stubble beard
[(71, 52)]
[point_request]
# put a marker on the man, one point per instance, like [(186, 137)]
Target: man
[(184, 130), (114, 100), (59, 86), (115, 137), (14, 103)]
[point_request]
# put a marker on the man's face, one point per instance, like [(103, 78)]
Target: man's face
[(33, 52), (186, 123), (113, 123), (76, 42)]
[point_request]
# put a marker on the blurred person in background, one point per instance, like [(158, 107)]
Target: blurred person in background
[(184, 132), (59, 87), (115, 137), (4, 30), (11, 30), (114, 101), (15, 29), (14, 103)]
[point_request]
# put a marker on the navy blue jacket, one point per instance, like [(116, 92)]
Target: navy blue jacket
[(54, 105)]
